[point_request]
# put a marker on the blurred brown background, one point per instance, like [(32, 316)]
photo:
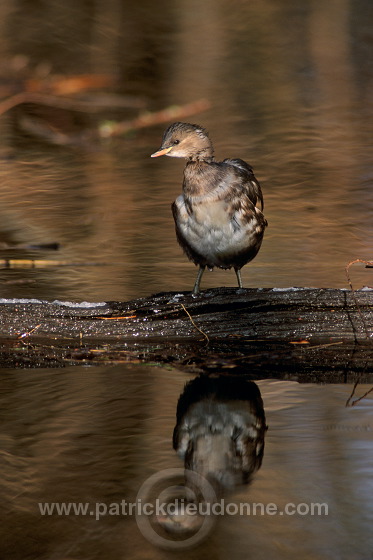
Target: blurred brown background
[(289, 85)]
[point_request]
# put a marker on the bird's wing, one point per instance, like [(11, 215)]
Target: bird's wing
[(247, 180)]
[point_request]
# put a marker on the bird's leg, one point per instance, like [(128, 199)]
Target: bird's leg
[(198, 280), (238, 274)]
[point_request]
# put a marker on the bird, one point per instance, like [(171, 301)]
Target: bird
[(217, 217)]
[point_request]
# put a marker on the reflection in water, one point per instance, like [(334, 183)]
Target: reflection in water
[(96, 435), (220, 430), (220, 436)]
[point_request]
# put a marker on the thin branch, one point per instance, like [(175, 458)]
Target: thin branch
[(39, 263), (322, 345), (368, 264), (117, 318), (193, 323), (362, 397), (157, 117), (29, 246), (347, 269), (29, 332), (107, 129), (353, 392)]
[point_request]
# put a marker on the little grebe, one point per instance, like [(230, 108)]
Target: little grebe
[(216, 218)]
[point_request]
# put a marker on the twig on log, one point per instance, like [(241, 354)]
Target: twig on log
[(193, 323), (323, 345), (29, 332), (117, 318), (368, 264), (347, 269)]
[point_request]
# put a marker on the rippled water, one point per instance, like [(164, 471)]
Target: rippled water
[(95, 435), (294, 104), (289, 84)]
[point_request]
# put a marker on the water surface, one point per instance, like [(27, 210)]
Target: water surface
[(97, 434), (289, 86)]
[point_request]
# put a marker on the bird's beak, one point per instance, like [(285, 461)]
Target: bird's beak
[(161, 152)]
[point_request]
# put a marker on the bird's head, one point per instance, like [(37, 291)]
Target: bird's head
[(186, 140)]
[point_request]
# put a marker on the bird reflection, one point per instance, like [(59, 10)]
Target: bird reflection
[(220, 430), (219, 434)]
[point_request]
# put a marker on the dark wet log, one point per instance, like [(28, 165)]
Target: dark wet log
[(302, 333)]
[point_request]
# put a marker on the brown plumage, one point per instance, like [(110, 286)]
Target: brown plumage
[(216, 217)]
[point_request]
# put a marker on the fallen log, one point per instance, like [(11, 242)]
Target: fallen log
[(298, 333)]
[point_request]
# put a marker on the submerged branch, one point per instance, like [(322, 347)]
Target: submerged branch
[(40, 263), (53, 92), (53, 101), (174, 112), (349, 403)]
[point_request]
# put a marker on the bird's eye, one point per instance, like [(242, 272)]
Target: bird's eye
[(176, 142)]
